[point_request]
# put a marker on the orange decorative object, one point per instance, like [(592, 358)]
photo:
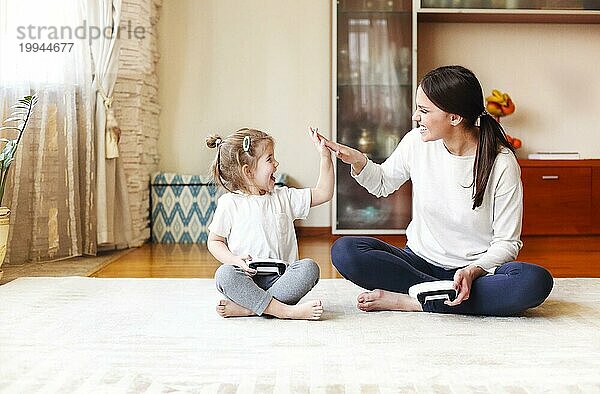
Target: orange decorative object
[(515, 142), (499, 104)]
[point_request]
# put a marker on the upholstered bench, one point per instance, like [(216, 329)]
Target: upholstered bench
[(182, 207)]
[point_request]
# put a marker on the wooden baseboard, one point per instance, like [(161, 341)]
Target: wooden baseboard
[(313, 232)]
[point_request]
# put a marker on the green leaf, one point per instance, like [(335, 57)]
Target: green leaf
[(9, 145), (9, 128), (9, 149), (13, 119), (20, 113), (20, 108)]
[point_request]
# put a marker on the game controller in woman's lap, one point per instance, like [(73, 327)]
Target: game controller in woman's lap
[(430, 291)]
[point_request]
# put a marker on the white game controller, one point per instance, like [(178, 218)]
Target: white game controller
[(430, 291), (265, 266)]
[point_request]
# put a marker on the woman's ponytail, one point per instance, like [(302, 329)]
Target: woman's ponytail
[(491, 140)]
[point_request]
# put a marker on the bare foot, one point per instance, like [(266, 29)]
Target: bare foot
[(382, 300), (311, 310), (227, 308)]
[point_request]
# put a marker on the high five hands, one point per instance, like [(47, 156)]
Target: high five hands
[(344, 153), (319, 142)]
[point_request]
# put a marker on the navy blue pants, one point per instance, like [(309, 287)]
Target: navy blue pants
[(373, 264)]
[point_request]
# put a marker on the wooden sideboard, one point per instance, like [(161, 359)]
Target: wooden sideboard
[(561, 197)]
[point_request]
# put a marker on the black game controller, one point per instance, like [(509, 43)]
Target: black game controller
[(268, 266), (436, 290)]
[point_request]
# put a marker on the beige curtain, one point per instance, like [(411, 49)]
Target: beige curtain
[(112, 203), (51, 182), (50, 191)]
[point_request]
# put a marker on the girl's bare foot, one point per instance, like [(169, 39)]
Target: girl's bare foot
[(311, 310), (382, 300), (228, 308)]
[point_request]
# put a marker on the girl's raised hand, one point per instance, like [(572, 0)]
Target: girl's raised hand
[(344, 153), (320, 142)]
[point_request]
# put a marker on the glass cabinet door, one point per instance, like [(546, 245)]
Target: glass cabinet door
[(374, 106)]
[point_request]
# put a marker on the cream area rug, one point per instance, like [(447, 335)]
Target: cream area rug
[(87, 335)]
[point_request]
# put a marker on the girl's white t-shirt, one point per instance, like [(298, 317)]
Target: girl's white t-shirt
[(445, 230), (261, 226)]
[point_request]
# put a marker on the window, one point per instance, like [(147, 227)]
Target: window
[(43, 42)]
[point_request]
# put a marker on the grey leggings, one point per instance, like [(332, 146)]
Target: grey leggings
[(255, 292)]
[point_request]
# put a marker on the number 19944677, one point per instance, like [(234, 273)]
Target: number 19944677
[(46, 47)]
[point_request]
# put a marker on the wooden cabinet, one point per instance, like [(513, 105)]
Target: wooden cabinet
[(374, 75), (561, 196)]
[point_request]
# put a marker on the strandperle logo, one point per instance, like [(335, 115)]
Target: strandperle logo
[(81, 32)]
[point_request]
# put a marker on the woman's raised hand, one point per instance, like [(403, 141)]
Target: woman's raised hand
[(346, 154)]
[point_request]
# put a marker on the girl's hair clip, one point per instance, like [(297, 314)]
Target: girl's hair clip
[(218, 142), (246, 143)]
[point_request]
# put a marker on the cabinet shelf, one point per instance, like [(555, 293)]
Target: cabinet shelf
[(507, 16), (373, 6), (371, 13), (513, 11)]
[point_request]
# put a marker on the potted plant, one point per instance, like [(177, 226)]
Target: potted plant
[(17, 121)]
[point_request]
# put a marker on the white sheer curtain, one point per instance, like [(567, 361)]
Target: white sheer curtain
[(112, 203), (51, 185), (376, 69), (374, 58)]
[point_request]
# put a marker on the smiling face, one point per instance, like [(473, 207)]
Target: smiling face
[(262, 176), (433, 122)]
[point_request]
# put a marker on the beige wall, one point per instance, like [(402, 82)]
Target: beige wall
[(266, 63), (227, 64), (550, 72)]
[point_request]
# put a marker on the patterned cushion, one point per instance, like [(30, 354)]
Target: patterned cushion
[(183, 207)]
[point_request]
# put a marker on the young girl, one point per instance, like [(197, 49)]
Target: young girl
[(255, 221)]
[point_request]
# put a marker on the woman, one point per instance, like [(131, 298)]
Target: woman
[(467, 210)]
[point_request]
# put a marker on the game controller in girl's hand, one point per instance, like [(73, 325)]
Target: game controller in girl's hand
[(436, 290), (264, 266)]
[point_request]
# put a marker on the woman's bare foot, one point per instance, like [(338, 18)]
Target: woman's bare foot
[(311, 310), (382, 300), (228, 308)]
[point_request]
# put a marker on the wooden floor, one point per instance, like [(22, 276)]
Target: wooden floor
[(564, 256)]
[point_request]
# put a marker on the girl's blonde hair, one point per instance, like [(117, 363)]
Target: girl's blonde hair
[(226, 168)]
